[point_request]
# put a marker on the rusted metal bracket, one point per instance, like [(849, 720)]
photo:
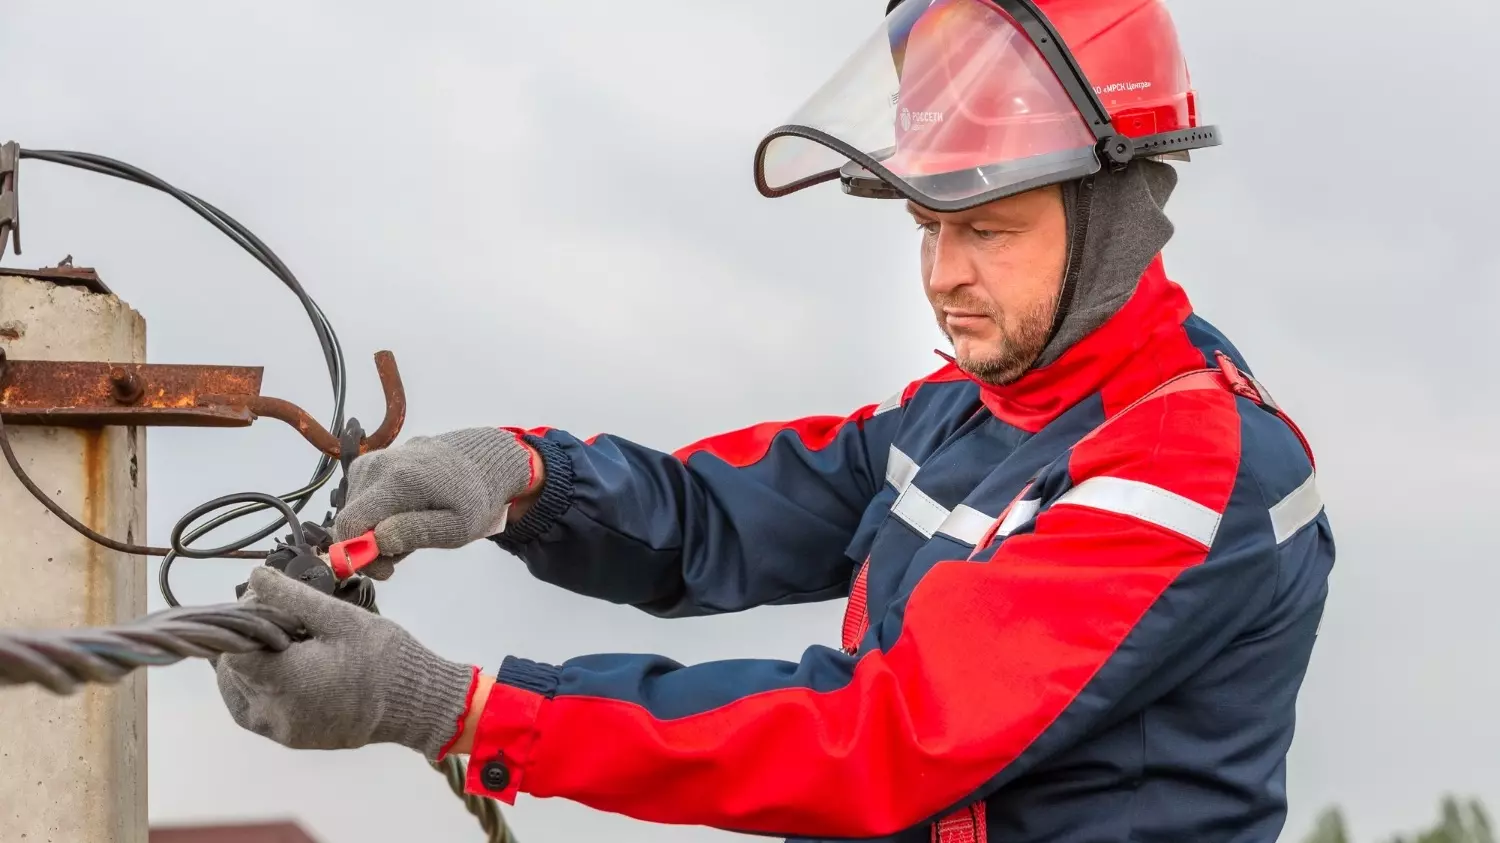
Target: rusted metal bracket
[(328, 443), (89, 394)]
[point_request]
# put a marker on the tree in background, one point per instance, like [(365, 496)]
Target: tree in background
[(1457, 823), (1329, 828)]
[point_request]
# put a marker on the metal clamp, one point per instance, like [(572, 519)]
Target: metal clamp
[(10, 207)]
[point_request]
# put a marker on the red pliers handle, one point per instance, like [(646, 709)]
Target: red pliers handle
[(347, 557)]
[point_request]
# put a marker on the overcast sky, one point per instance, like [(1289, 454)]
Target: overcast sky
[(546, 211)]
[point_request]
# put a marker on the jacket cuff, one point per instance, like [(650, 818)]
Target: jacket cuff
[(555, 499), (505, 737)]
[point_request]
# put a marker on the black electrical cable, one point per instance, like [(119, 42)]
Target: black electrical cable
[(288, 515), (290, 504)]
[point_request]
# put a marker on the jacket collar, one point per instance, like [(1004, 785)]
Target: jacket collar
[(1157, 308)]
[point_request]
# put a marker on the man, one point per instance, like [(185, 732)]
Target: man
[(1085, 559)]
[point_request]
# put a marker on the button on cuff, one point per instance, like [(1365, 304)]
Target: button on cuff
[(494, 775)]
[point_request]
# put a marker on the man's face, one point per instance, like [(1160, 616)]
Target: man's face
[(993, 274)]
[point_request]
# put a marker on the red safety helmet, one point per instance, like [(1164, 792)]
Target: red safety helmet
[(954, 103)]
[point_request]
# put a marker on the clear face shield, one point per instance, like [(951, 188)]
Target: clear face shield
[(950, 104)]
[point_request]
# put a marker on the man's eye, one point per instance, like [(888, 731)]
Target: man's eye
[(928, 227), (985, 234)]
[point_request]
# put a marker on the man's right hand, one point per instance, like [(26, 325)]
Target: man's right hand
[(441, 491)]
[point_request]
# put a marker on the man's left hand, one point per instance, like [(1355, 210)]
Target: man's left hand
[(358, 679)]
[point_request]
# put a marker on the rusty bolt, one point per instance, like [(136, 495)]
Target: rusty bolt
[(125, 386)]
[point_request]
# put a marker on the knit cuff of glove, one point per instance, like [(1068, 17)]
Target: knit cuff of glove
[(429, 698), (498, 456)]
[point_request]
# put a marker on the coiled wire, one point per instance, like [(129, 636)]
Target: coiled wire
[(252, 503)]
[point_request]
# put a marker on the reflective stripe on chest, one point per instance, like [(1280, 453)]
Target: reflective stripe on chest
[(925, 515)]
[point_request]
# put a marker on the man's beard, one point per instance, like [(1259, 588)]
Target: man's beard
[(1020, 344)]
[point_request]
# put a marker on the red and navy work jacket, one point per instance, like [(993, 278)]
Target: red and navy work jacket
[(1080, 608)]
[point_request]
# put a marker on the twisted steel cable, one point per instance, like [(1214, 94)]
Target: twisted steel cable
[(62, 659)]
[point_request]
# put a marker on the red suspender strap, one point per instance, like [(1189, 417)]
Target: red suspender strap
[(1243, 385), (1185, 382), (967, 825), (994, 528), (856, 612)]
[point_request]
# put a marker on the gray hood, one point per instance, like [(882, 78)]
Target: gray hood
[(1116, 226)]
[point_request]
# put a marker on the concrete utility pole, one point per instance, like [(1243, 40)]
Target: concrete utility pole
[(72, 769)]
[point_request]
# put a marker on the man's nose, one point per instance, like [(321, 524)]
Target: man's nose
[(952, 265)]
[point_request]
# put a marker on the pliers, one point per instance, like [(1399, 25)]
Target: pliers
[(311, 556)]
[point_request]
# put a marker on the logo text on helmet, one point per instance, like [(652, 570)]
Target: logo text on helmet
[(919, 120), (1120, 87)]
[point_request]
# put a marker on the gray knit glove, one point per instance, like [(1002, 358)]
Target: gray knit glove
[(359, 679), (433, 491)]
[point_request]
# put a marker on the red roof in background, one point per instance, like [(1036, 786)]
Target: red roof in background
[(261, 832)]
